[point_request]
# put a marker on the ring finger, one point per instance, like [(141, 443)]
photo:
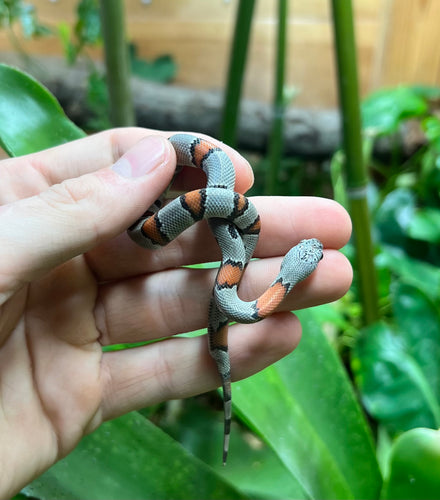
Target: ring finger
[(177, 300)]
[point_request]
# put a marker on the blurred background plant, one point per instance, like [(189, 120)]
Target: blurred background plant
[(299, 429), (15, 12)]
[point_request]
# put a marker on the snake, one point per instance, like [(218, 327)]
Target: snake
[(235, 224)]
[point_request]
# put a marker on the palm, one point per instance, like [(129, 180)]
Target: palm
[(50, 363)]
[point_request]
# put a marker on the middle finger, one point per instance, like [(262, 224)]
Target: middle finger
[(284, 220)]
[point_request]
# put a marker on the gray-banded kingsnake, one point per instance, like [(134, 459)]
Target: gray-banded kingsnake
[(235, 224)]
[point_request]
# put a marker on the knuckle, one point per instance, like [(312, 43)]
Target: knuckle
[(73, 200), (164, 374), (69, 192)]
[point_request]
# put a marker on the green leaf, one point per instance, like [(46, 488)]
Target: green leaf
[(421, 275), (18, 10), (31, 119), (69, 48), (252, 468), (305, 409), (88, 25), (392, 382), (394, 215), (425, 225), (431, 127), (384, 110), (130, 458), (162, 69), (418, 321), (98, 102), (414, 467), (426, 91), (281, 422), (29, 22), (383, 449)]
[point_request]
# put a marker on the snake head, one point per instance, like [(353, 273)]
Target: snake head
[(301, 260)]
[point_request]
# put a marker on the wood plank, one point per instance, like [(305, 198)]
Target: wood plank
[(411, 53)]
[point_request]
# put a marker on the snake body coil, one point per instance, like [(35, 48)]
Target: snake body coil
[(235, 224)]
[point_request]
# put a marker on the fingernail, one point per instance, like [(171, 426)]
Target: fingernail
[(142, 158)]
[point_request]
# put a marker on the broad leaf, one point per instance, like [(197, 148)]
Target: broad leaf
[(162, 69), (392, 380), (428, 92), (425, 225), (326, 395), (421, 275), (384, 110), (252, 467), (394, 215), (305, 409), (31, 119), (130, 458), (431, 127), (414, 467), (418, 321), (88, 25)]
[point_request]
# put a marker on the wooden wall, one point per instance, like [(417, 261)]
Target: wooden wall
[(398, 42)]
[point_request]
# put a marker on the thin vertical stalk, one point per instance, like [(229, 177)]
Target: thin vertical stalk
[(279, 103), (237, 63), (356, 172), (116, 61)]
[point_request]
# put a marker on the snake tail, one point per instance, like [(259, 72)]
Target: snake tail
[(218, 326)]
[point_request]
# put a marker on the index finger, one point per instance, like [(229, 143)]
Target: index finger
[(101, 150)]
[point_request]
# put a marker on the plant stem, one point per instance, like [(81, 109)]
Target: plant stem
[(279, 103), (116, 61), (356, 172), (237, 63)]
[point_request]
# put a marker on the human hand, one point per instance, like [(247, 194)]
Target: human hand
[(71, 282)]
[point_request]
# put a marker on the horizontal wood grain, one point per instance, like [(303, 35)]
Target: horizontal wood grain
[(398, 41)]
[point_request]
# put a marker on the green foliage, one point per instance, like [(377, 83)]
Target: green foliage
[(396, 361), (162, 69), (323, 431), (88, 25), (85, 33), (23, 13), (425, 225), (295, 176), (31, 118), (414, 466), (98, 102), (398, 266), (406, 211), (396, 376), (383, 111), (130, 458), (77, 40)]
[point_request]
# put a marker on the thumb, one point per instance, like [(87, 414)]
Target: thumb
[(70, 218)]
